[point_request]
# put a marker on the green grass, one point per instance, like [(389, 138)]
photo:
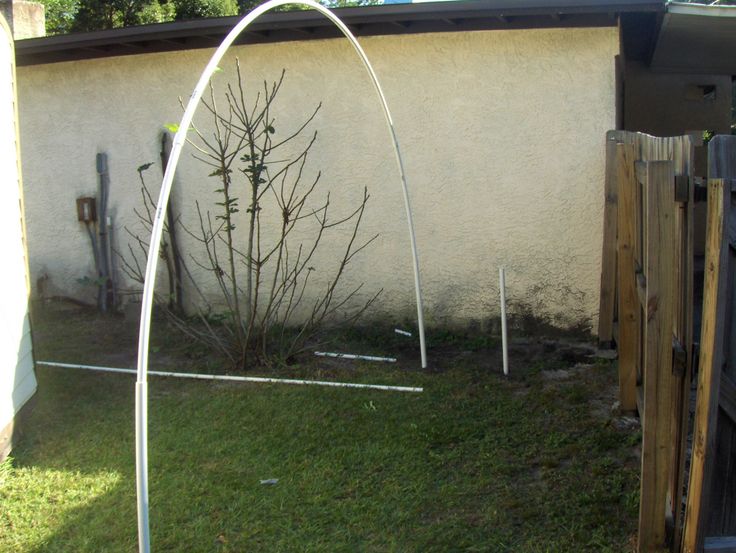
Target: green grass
[(475, 463)]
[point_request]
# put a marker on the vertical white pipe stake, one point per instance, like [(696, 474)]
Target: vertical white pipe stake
[(141, 456), (504, 334)]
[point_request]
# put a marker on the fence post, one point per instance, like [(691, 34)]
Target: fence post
[(659, 259)]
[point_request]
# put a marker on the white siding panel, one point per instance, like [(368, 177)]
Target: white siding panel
[(17, 380)]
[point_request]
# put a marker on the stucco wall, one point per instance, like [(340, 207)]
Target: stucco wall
[(26, 19), (503, 135)]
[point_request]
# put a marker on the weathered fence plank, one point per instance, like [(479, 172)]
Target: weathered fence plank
[(722, 157), (659, 258), (728, 396), (711, 360), (683, 153), (680, 150), (628, 303), (606, 310), (722, 544), (721, 519), (710, 517)]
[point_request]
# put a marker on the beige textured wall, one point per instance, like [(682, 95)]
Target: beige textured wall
[(502, 131), (26, 19)]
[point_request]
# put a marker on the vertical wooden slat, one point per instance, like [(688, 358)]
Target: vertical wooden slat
[(721, 515), (720, 519), (722, 157), (684, 155), (711, 360), (608, 256), (628, 302), (657, 370), (679, 150), (667, 417)]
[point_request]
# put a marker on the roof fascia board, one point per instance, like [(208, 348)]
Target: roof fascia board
[(376, 20), (705, 10), (696, 39)]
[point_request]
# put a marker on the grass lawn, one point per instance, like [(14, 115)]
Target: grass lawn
[(534, 463)]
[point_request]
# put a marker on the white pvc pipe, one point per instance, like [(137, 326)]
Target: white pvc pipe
[(256, 379), (402, 332), (141, 464), (355, 356), (504, 334), (158, 224)]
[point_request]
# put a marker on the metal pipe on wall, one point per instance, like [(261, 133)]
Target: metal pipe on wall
[(104, 265)]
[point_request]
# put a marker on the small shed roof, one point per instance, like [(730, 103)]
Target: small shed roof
[(363, 21)]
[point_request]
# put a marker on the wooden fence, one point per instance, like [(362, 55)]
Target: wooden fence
[(710, 519), (647, 308)]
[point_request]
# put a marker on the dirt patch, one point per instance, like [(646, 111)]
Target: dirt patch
[(66, 332)]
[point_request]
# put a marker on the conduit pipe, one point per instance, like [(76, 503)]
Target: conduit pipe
[(158, 224), (504, 330), (230, 378)]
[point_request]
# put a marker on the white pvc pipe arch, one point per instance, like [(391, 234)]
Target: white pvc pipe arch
[(141, 390)]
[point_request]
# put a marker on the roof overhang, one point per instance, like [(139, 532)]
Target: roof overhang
[(308, 25), (695, 38)]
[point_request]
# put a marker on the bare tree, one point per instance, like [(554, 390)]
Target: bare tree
[(271, 309)]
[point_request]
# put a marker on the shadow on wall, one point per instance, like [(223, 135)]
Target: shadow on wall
[(523, 318), (549, 307)]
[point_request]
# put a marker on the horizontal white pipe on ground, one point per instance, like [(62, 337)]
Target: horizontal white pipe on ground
[(258, 379), (402, 332), (354, 356)]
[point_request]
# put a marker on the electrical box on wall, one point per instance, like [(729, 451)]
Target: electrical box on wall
[(86, 210)]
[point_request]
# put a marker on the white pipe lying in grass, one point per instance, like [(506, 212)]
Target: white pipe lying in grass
[(355, 356), (258, 379), (504, 335), (402, 332)]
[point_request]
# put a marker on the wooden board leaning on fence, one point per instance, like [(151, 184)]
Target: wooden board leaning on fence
[(710, 518)]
